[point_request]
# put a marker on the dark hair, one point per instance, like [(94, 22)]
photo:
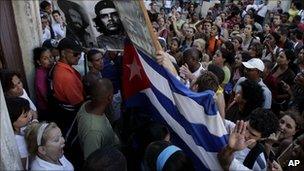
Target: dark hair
[(105, 159), (229, 58), (16, 106), (258, 49), (100, 89), (45, 17), (37, 52), (230, 47), (290, 55), (91, 53), (207, 81), (283, 31), (191, 53), (44, 4), (286, 13), (148, 133), (252, 93), (298, 5), (6, 79), (264, 121), (178, 161), (245, 56), (217, 71), (177, 40), (66, 5), (56, 12)]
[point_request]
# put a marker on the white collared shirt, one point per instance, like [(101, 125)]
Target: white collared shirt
[(39, 164), (197, 73)]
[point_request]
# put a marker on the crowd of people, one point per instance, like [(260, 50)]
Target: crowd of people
[(251, 56)]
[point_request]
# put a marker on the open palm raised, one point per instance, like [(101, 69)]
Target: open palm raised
[(237, 138)]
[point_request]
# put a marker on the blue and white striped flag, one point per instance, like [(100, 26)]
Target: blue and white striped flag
[(193, 117)]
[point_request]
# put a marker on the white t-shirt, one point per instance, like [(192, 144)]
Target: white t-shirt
[(197, 73), (59, 31), (39, 164), (46, 34), (25, 96), (22, 148)]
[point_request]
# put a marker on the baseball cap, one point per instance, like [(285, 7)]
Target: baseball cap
[(254, 63), (68, 43)]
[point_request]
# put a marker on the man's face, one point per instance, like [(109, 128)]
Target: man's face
[(276, 20), (56, 17), (251, 133), (44, 23), (76, 18), (251, 74), (109, 18), (72, 57), (207, 27)]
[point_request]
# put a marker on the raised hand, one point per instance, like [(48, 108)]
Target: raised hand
[(237, 138)]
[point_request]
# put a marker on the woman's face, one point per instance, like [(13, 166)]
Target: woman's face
[(197, 45), (174, 46), (282, 59), (214, 31), (54, 145), (266, 28), (218, 58), (44, 60), (287, 127), (238, 60), (236, 44), (239, 98), (218, 21), (185, 28), (161, 22), (248, 29), (301, 56), (17, 89)]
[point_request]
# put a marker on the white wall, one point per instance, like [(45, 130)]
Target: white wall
[(9, 154)]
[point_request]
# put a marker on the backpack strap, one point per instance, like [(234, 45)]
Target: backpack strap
[(253, 156)]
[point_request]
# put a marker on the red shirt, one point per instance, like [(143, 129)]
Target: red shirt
[(67, 84)]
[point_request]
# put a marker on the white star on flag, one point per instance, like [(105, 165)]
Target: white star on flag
[(135, 69)]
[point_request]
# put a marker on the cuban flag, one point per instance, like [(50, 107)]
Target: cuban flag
[(193, 119)]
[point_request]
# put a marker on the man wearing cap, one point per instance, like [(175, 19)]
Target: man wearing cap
[(66, 81), (108, 24), (253, 69)]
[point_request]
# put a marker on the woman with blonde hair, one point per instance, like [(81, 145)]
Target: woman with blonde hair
[(46, 143)]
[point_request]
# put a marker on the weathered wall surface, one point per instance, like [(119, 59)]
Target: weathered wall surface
[(9, 154), (27, 17)]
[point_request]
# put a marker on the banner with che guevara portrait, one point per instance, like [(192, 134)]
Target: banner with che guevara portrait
[(96, 23)]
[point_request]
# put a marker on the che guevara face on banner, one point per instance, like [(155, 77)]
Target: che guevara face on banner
[(94, 23)]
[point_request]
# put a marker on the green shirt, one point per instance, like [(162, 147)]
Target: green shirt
[(94, 131)]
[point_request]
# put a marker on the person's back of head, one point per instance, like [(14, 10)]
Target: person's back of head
[(162, 155), (207, 81), (101, 91), (217, 71), (105, 159), (191, 53), (264, 121)]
